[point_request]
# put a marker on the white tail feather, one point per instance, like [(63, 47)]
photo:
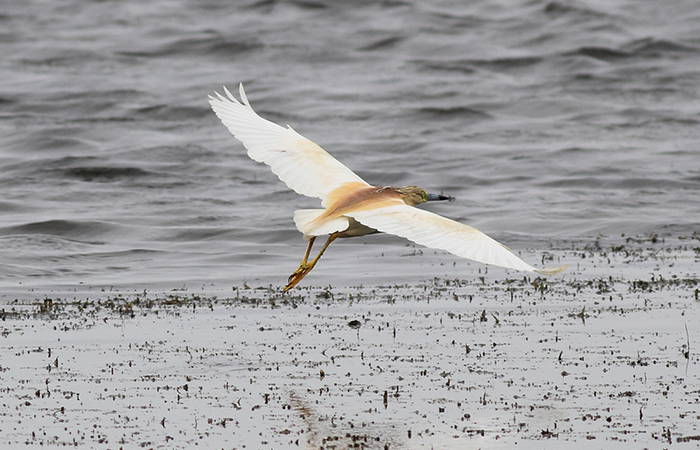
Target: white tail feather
[(305, 220)]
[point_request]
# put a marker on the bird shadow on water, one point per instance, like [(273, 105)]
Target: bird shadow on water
[(337, 432)]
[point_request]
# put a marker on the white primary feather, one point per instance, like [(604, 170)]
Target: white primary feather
[(434, 231), (300, 163)]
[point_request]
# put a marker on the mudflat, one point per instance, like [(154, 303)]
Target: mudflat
[(604, 356)]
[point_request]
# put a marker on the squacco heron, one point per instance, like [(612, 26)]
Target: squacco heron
[(351, 206)]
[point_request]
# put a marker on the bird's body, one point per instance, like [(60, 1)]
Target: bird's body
[(342, 203), (351, 206)]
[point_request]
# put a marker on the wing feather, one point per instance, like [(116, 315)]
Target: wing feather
[(434, 231), (300, 163)]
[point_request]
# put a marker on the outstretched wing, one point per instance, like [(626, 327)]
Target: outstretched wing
[(435, 231), (299, 162)]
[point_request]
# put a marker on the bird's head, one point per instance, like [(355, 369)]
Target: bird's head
[(413, 195)]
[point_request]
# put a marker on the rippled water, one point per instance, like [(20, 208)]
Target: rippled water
[(550, 122)]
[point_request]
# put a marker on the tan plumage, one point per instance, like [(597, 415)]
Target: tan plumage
[(352, 207)]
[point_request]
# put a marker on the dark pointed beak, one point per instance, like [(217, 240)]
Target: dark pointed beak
[(436, 197)]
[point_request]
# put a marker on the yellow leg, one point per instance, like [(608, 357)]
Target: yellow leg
[(305, 267), (308, 250)]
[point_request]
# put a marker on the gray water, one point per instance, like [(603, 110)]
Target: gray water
[(551, 123)]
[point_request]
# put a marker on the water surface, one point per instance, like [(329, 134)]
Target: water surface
[(551, 123)]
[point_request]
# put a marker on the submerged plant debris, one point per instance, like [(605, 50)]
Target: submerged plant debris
[(604, 356)]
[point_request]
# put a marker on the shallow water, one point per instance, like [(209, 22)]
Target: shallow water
[(597, 359), (566, 130)]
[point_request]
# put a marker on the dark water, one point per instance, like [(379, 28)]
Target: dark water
[(550, 122)]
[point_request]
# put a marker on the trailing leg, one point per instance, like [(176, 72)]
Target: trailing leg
[(305, 267)]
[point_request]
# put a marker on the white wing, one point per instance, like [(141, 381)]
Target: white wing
[(434, 231), (299, 162)]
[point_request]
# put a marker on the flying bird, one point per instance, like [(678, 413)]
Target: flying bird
[(351, 206)]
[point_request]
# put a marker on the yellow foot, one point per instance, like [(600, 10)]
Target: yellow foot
[(296, 277)]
